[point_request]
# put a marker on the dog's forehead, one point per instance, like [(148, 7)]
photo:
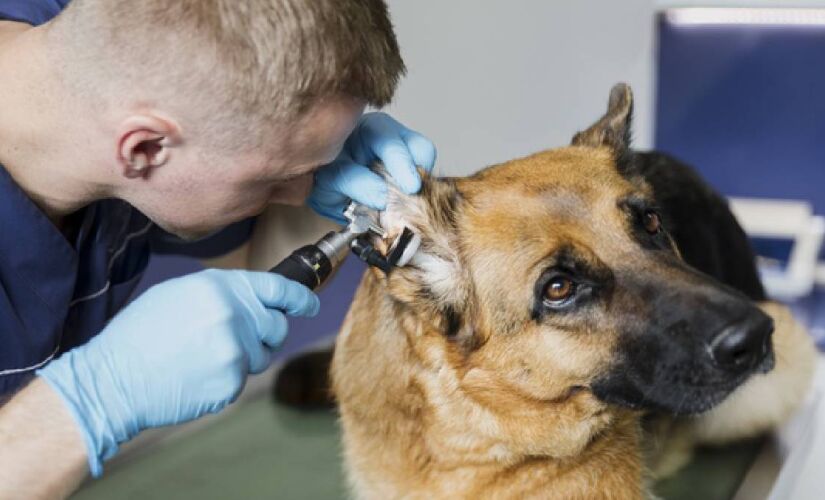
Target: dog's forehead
[(568, 185)]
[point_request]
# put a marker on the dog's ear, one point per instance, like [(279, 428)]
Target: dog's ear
[(612, 129), (434, 282)]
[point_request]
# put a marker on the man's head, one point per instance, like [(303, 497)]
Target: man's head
[(207, 110)]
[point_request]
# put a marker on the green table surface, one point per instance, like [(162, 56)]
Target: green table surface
[(264, 451), (259, 451)]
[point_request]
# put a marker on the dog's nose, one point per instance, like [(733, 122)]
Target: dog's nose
[(744, 344)]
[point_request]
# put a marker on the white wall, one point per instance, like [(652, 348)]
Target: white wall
[(492, 80)]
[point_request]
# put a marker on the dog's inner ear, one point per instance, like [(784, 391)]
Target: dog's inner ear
[(612, 129), (435, 282)]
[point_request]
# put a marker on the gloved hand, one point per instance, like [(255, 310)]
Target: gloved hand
[(181, 350), (378, 137)]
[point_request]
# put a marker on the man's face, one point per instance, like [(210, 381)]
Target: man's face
[(197, 193)]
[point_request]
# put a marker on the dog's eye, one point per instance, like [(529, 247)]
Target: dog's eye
[(559, 289), (652, 222)]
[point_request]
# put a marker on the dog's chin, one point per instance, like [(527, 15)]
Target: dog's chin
[(621, 388), (672, 400)]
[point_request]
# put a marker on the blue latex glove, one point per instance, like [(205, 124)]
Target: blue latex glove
[(378, 137), (181, 350)]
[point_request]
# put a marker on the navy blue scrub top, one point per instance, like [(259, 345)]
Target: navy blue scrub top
[(57, 293)]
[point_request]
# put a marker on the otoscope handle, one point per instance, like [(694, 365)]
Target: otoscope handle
[(308, 265)]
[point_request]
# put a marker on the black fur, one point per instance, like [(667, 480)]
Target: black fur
[(453, 321), (701, 223), (663, 361)]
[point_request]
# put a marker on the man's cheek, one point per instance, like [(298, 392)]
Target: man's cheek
[(294, 192)]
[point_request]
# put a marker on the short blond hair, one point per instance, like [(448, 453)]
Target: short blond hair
[(260, 59)]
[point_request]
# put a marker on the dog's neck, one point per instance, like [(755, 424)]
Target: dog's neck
[(406, 408)]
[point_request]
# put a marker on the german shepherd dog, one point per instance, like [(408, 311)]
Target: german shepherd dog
[(554, 302)]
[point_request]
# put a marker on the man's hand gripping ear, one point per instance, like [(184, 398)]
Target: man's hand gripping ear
[(378, 137)]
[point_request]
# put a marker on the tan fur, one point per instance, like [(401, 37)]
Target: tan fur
[(411, 430), (499, 406)]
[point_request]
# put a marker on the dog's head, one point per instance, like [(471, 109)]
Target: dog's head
[(554, 274)]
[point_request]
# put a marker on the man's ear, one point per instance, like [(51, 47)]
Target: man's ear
[(144, 143), (612, 129)]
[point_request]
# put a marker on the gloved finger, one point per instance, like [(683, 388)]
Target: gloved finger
[(276, 292), (382, 136), (256, 355), (354, 181), (260, 342), (354, 148), (326, 201), (277, 328), (259, 355), (422, 149), (330, 211), (269, 356)]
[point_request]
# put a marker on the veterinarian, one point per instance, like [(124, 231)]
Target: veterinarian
[(123, 123)]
